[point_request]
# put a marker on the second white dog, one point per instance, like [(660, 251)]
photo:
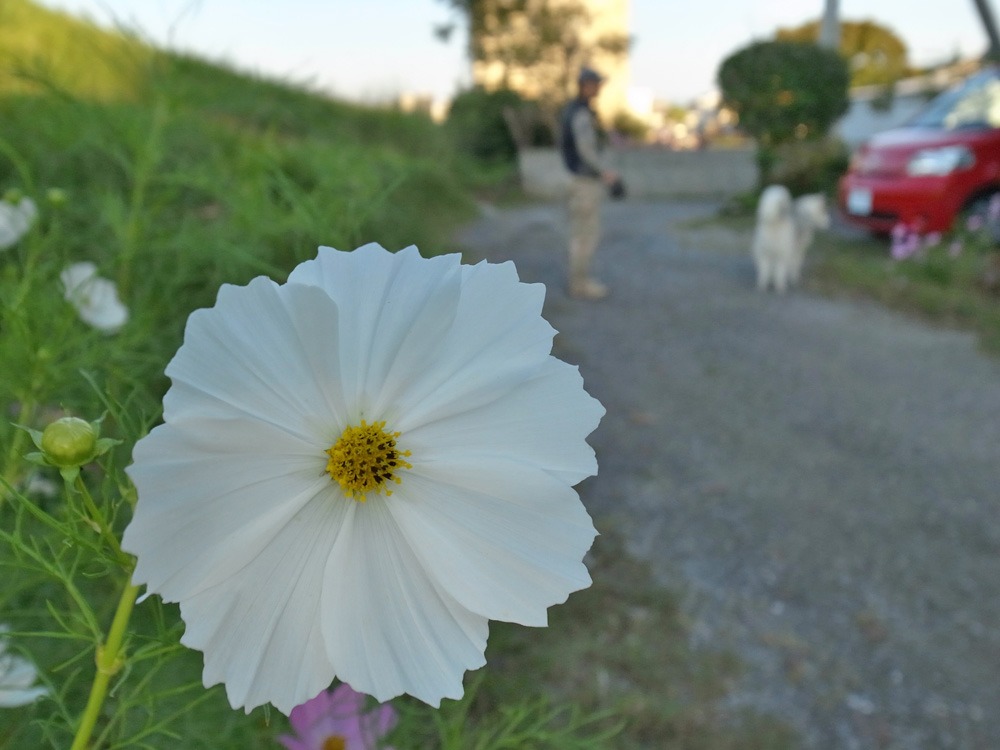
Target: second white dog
[(785, 229)]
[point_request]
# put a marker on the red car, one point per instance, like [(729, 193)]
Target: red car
[(943, 162)]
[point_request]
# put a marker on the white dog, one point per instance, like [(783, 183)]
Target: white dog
[(785, 228)]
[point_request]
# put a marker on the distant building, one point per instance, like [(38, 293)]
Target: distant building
[(608, 17)]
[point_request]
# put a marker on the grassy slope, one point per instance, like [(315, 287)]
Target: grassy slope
[(43, 50)]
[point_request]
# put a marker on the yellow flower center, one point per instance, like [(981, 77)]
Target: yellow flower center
[(365, 459), (336, 742)]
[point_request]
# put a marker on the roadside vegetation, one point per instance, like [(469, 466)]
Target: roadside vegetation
[(173, 176), (950, 280)]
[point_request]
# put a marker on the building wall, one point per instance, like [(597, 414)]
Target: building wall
[(649, 172)]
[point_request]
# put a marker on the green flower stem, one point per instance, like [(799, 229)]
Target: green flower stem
[(10, 469), (98, 518), (110, 658)]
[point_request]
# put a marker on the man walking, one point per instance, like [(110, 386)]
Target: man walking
[(581, 151)]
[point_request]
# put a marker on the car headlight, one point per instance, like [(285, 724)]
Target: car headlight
[(940, 161)]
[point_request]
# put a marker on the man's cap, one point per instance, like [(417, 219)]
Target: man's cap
[(589, 75)]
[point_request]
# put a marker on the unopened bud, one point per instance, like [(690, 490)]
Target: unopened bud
[(69, 441), (56, 196)]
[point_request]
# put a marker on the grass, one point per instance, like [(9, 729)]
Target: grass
[(175, 176), (946, 291), (43, 50)]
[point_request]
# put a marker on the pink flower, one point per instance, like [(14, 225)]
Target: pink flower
[(904, 242), (337, 720), (993, 212), (955, 249)]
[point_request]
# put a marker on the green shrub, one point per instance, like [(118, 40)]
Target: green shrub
[(630, 126), (477, 124), (810, 166), (784, 92)]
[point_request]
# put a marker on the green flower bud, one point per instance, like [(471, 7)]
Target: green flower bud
[(13, 196), (68, 444), (56, 196), (69, 441)]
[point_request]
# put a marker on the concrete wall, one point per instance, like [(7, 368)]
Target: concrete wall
[(650, 172)]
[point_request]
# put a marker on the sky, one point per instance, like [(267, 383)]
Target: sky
[(373, 50)]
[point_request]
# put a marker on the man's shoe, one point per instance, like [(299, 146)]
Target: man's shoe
[(588, 289)]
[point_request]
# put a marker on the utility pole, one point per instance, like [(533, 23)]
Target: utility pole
[(990, 24), (829, 29)]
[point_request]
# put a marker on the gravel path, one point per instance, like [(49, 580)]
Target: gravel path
[(821, 477)]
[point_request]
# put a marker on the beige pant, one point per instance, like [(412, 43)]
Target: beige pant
[(584, 224)]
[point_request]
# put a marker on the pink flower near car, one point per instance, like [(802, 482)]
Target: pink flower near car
[(904, 242)]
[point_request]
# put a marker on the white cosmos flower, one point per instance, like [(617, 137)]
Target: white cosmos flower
[(17, 678), (94, 297), (15, 221), (357, 470)]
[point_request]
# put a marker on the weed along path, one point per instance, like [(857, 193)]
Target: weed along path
[(821, 478)]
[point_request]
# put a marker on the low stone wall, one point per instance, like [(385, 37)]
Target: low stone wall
[(650, 172)]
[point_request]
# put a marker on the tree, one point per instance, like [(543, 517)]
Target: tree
[(534, 46), (874, 53), (784, 91)]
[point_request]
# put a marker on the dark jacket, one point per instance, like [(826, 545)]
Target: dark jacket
[(572, 158)]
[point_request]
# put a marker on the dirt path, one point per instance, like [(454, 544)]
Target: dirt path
[(822, 477)]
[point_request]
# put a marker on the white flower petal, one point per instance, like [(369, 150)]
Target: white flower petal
[(498, 339), (542, 423), (17, 677), (95, 298), (260, 630), (395, 310), (77, 274), (517, 534), (389, 628), (264, 352), (15, 221), (20, 697), (211, 481)]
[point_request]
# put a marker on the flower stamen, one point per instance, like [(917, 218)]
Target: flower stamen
[(365, 459)]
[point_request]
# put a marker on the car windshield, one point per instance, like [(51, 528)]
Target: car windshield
[(973, 104)]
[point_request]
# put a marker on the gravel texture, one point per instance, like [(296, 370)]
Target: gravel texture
[(821, 477)]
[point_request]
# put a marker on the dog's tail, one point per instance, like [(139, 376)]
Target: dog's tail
[(775, 205)]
